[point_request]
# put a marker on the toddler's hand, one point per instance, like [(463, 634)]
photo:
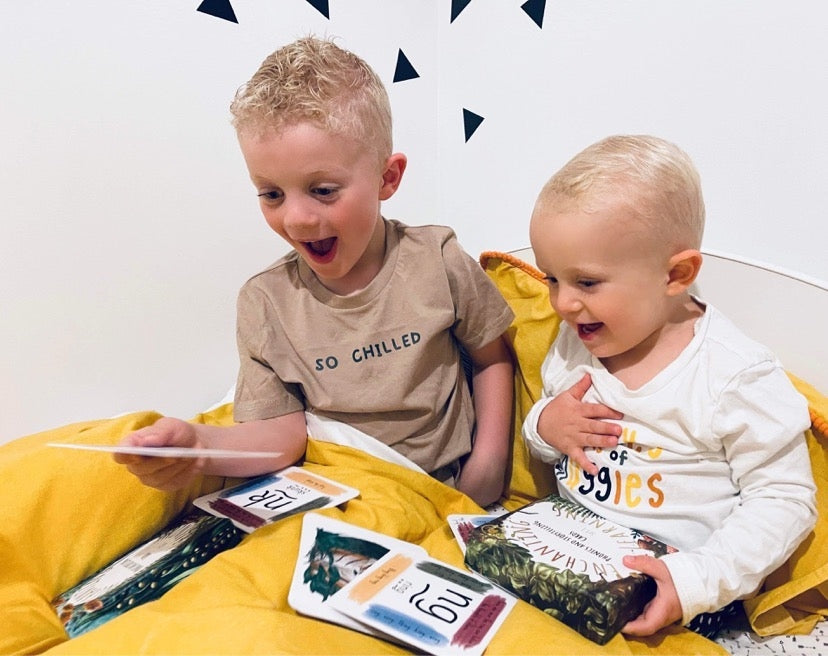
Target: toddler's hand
[(570, 425), (663, 609), (166, 474)]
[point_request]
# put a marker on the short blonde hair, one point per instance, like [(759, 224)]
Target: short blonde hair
[(314, 80), (651, 176)]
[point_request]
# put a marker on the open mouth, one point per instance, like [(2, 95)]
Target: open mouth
[(585, 330), (322, 250)]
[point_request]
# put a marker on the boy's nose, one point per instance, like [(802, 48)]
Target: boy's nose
[(298, 216)]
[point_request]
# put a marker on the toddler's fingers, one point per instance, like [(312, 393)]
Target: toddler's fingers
[(602, 441), (583, 461), (601, 411), (662, 610), (650, 621), (580, 388), (598, 427), (646, 565)]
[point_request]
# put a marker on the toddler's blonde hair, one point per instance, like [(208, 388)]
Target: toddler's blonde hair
[(651, 176)]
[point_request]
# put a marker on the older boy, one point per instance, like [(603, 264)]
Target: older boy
[(658, 412), (363, 321)]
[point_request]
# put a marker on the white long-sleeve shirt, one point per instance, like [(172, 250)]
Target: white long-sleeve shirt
[(712, 460)]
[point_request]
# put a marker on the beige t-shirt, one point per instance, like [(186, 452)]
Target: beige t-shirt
[(385, 359)]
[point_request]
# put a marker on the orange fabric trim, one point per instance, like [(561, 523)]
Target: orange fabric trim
[(818, 422), (513, 260)]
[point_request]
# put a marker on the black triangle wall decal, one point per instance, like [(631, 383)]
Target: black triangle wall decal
[(219, 9), (535, 9), (471, 122), (456, 7), (404, 70), (321, 6)]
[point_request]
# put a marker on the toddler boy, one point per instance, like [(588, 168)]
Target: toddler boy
[(658, 413)]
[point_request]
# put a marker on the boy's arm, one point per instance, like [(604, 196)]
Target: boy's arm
[(483, 477), (287, 434)]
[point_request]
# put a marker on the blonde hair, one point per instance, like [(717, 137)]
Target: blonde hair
[(314, 80), (653, 177)]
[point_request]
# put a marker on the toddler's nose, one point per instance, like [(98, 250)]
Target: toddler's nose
[(566, 301)]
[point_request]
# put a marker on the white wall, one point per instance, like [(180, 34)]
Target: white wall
[(129, 224)]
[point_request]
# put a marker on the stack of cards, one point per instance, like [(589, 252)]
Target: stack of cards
[(393, 590)]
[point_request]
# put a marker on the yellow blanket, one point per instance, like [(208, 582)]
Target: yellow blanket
[(66, 514)]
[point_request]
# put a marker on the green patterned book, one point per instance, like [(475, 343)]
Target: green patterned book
[(566, 560)]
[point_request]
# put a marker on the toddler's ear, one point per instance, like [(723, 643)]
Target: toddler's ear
[(392, 175), (684, 267)]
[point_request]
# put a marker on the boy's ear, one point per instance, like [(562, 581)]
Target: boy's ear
[(392, 175), (684, 267)]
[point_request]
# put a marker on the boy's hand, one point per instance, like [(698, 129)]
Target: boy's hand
[(570, 425), (663, 609), (166, 474)]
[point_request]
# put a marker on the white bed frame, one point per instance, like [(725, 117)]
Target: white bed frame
[(785, 311)]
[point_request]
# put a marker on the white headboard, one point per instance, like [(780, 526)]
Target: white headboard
[(783, 310)]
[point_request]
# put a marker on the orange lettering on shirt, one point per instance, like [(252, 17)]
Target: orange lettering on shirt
[(659, 498)]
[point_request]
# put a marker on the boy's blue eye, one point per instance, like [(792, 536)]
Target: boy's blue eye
[(588, 283), (324, 192), (551, 280)]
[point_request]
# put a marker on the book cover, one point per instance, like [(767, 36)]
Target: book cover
[(146, 572), (426, 604), (566, 560), (269, 498)]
